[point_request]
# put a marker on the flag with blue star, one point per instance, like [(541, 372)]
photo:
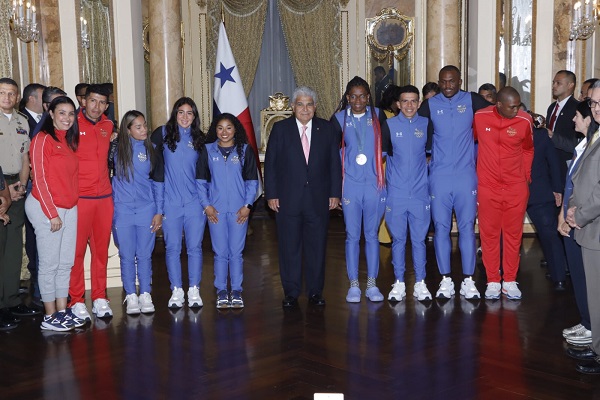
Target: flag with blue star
[(229, 96)]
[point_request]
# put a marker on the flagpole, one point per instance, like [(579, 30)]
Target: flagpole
[(222, 14)]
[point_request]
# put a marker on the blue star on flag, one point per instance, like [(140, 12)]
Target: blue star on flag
[(225, 74)]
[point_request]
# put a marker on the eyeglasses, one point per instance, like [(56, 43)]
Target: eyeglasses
[(593, 103)]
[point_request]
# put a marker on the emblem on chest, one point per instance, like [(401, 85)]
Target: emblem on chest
[(511, 131), (142, 156)]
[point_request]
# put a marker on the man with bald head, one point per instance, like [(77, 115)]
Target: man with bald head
[(505, 135)]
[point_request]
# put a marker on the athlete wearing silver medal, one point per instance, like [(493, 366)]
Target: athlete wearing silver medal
[(359, 125)]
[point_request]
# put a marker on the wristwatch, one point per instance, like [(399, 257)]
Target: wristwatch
[(248, 206)]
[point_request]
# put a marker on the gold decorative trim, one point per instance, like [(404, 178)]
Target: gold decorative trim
[(146, 39), (391, 50)]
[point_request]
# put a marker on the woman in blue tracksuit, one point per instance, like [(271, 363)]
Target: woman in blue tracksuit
[(360, 125), (138, 198), (229, 185), (181, 142)]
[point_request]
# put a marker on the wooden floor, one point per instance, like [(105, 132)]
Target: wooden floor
[(453, 349)]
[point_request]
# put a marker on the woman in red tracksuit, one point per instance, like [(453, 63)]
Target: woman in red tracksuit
[(52, 210)]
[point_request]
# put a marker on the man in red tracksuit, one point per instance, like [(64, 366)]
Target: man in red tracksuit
[(505, 136), (95, 206)]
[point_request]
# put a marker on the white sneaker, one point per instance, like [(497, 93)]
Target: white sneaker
[(101, 308), (421, 292), (133, 305), (580, 338), (80, 311), (194, 299), (446, 289), (398, 291), (468, 289), (573, 329), (177, 298), (511, 290), (493, 290), (146, 304)]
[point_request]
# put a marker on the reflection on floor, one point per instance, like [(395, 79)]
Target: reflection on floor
[(453, 349)]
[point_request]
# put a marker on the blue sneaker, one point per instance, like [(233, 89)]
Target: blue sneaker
[(374, 294), (57, 322), (236, 299), (77, 322), (353, 295), (223, 299)]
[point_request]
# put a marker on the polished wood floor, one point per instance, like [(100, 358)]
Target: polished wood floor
[(453, 349)]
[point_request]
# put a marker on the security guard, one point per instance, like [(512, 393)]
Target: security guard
[(14, 148)]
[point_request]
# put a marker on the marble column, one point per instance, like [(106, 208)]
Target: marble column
[(443, 36), (166, 68)]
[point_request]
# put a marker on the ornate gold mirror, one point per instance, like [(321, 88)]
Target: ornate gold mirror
[(390, 45)]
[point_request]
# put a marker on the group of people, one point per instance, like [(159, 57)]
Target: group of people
[(408, 162), (89, 179), (456, 152)]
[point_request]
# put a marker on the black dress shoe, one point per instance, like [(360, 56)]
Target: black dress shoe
[(582, 354), (560, 286), (24, 311), (317, 300), (7, 316), (289, 302), (7, 326), (592, 367)]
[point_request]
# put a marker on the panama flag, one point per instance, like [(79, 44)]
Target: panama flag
[(229, 94)]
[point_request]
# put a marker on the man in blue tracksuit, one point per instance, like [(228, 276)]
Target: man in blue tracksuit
[(452, 176), (408, 192), (229, 184)]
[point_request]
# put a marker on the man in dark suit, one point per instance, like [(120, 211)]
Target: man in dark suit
[(31, 104), (559, 118), (303, 181), (584, 215)]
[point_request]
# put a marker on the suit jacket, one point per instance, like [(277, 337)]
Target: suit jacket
[(545, 170), (286, 171), (30, 120), (586, 197), (565, 137)]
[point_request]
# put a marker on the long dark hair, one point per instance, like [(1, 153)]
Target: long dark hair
[(239, 138), (172, 135), (124, 162), (357, 81), (72, 136)]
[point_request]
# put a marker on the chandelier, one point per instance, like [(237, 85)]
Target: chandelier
[(584, 20), (23, 21)]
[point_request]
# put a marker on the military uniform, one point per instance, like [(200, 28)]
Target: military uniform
[(14, 143)]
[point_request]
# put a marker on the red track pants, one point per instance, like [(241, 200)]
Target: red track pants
[(501, 213), (94, 221)]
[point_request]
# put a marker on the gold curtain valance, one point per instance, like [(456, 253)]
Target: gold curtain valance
[(245, 23), (314, 42)]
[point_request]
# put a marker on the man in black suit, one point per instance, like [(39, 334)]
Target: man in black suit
[(303, 181), (31, 104), (559, 118), (32, 107)]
